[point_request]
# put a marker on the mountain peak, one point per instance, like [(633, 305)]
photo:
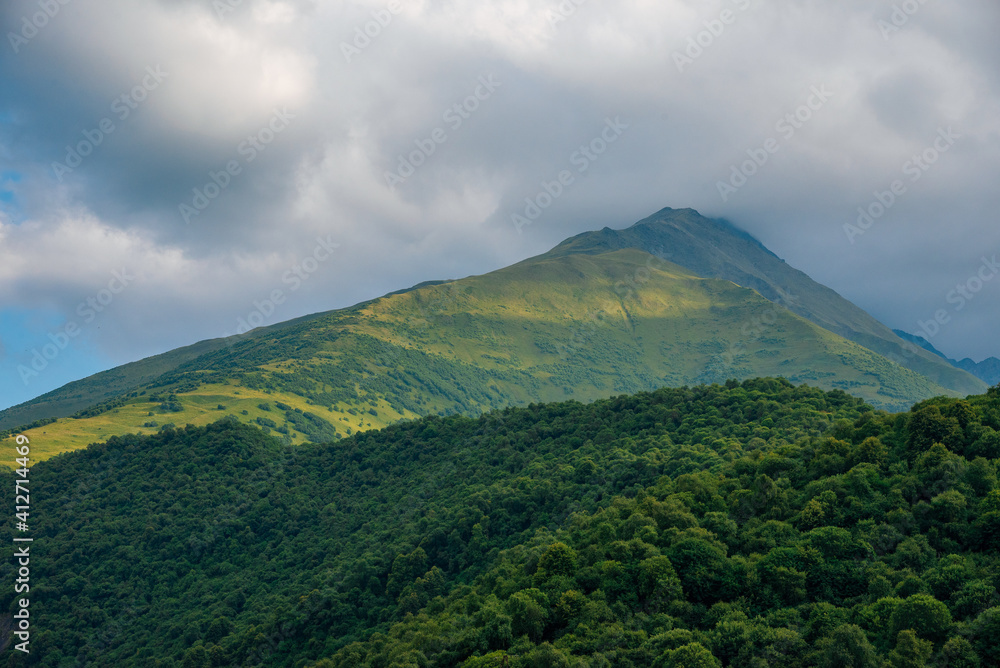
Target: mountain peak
[(691, 220), (716, 248), (667, 232)]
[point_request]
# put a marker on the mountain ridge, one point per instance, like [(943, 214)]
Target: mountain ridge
[(751, 264), (987, 370), (593, 317)]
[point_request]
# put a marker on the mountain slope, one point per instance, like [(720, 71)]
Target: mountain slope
[(716, 249), (580, 326), (102, 386), (106, 385)]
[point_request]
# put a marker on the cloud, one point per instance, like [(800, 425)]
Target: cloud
[(364, 84)]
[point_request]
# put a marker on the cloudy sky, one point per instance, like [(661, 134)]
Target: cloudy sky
[(168, 165)]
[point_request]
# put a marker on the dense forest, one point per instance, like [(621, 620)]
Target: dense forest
[(747, 524)]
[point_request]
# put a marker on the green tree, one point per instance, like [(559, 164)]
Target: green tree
[(914, 552), (658, 582), (879, 587), (871, 450), (559, 559), (544, 656), (781, 583), (694, 655), (219, 629), (958, 653), (981, 476), (987, 445), (527, 610), (196, 657), (495, 625), (405, 569), (927, 426), (928, 617), (986, 528), (949, 506), (986, 635), (573, 608), (702, 567), (847, 647), (910, 651), (973, 598)]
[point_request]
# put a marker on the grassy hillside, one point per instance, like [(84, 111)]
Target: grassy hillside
[(755, 524), (716, 249), (578, 326), (107, 385), (82, 394)]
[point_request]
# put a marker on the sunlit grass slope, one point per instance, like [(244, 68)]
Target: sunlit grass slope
[(551, 328)]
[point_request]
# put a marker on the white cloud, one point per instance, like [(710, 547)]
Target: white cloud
[(560, 81)]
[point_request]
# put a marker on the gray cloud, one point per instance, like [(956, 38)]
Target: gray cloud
[(561, 76)]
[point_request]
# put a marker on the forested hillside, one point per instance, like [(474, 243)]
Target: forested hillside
[(750, 524)]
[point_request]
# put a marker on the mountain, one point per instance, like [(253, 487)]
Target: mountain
[(717, 249), (920, 341), (987, 371), (755, 523), (592, 318)]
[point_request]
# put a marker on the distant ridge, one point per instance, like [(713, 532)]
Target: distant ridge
[(988, 370)]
